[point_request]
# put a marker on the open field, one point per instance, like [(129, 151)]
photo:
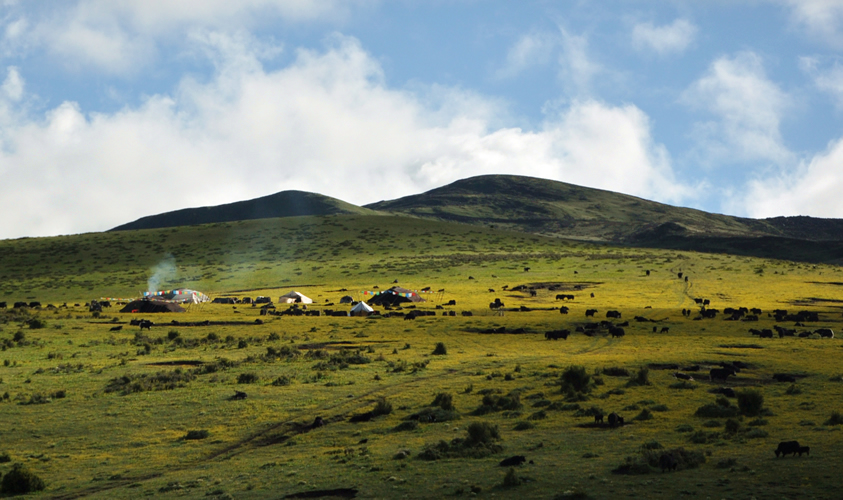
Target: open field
[(104, 414)]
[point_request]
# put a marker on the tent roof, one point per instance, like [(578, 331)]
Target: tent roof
[(151, 306), (297, 296), (362, 306)]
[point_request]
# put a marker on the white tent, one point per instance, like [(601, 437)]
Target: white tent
[(181, 296), (361, 309), (294, 298)]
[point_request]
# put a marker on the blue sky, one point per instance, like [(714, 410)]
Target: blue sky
[(111, 110)]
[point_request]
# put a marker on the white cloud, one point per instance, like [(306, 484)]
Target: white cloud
[(13, 85), (748, 108), (123, 36), (576, 68), (827, 77), (667, 39), (321, 124), (532, 49), (822, 19), (813, 188)]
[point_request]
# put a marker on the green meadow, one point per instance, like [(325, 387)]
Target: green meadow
[(98, 413)]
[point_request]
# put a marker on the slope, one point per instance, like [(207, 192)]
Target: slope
[(282, 204), (564, 210)]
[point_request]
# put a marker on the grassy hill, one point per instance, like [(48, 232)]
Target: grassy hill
[(283, 204), (558, 209)]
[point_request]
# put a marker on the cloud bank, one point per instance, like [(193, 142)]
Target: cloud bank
[(326, 123)]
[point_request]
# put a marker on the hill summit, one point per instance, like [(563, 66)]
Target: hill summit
[(282, 204)]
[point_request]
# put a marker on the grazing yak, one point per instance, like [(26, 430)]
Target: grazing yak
[(616, 331), (668, 462), (721, 373), (115, 328), (613, 314), (615, 420), (826, 333), (791, 447), (145, 324), (563, 310), (557, 334), (513, 461), (590, 312)]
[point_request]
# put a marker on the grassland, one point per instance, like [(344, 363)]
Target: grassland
[(105, 414)]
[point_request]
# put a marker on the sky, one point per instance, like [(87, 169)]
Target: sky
[(111, 110)]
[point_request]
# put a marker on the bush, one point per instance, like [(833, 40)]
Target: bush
[(644, 415), (247, 378), (793, 390), (282, 381), (684, 428), (615, 371), (20, 481), (750, 402), (524, 426), (200, 434), (511, 479), (721, 408), (444, 400), (406, 426), (382, 407), (732, 426), (5, 458), (683, 384), (835, 419), (482, 433), (494, 402), (575, 379), (756, 433), (440, 349), (173, 334), (641, 377), (36, 324)]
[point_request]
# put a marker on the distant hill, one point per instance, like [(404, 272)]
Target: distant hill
[(556, 209), (283, 204), (565, 210)]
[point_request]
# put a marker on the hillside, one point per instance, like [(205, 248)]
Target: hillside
[(564, 210), (283, 204)]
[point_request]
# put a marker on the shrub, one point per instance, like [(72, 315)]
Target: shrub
[(641, 377), (721, 408), (644, 415), (793, 390), (683, 384), (406, 426), (495, 402), (539, 415), (282, 381), (684, 428), (835, 419), (444, 400), (482, 433), (440, 349), (20, 481), (199, 434), (732, 426), (615, 371), (511, 479), (575, 379), (756, 433), (19, 336), (750, 402), (382, 407), (173, 334), (36, 324), (659, 408), (5, 458), (247, 378), (524, 426), (726, 463), (702, 437)]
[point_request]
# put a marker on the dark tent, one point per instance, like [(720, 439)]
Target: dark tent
[(224, 300), (394, 296), (151, 306), (348, 299)]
